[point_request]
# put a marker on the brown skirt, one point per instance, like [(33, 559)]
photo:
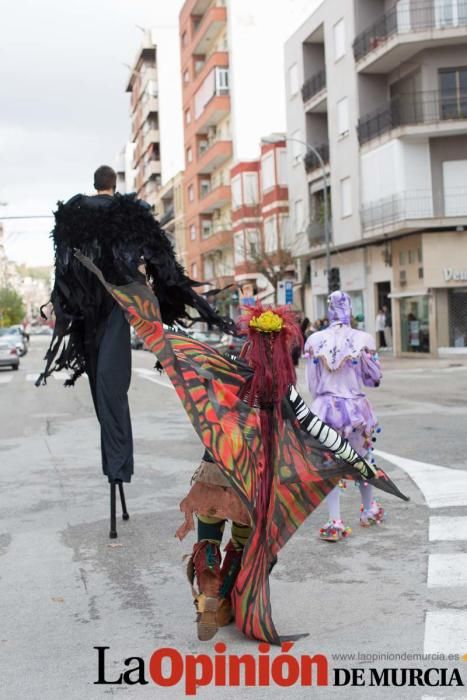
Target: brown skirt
[(211, 495)]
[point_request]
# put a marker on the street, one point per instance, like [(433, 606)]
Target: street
[(66, 588)]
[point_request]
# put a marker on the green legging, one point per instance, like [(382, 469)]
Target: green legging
[(212, 529)]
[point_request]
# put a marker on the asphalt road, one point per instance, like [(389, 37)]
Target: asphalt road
[(66, 588)]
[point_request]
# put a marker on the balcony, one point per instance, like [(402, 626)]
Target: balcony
[(407, 28), (415, 210), (314, 92), (219, 240), (310, 160), (208, 28), (152, 169), (167, 217), (431, 112), (214, 199), (217, 153), (214, 111), (150, 106), (152, 136)]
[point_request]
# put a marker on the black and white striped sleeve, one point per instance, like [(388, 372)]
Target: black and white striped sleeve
[(327, 436)]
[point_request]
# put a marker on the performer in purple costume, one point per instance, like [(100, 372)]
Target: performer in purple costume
[(339, 361)]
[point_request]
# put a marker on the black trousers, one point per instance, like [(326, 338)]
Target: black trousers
[(109, 372)]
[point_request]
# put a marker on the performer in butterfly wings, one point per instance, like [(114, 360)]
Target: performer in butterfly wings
[(92, 335), (247, 416)]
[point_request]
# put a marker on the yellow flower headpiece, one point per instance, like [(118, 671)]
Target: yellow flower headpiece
[(267, 322)]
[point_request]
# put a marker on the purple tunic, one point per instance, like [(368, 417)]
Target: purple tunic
[(340, 360)]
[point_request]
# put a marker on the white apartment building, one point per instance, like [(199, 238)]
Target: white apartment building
[(380, 88)]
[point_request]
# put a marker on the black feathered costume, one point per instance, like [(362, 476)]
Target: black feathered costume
[(119, 233)]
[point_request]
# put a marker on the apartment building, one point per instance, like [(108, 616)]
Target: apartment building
[(260, 221), (126, 174), (379, 88), (143, 88), (170, 213), (232, 94)]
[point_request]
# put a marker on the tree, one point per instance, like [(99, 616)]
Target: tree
[(12, 309)]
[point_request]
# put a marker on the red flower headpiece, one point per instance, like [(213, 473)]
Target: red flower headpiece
[(272, 333)]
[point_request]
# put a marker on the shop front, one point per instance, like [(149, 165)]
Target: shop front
[(430, 293)]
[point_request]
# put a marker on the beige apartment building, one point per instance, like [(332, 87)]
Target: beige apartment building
[(143, 87), (170, 212), (380, 89)]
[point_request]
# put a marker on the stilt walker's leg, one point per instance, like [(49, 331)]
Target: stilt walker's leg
[(125, 515), (113, 518)]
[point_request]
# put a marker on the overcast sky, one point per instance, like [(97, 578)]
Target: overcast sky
[(63, 106)]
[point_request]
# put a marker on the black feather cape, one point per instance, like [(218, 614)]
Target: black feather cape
[(118, 233)]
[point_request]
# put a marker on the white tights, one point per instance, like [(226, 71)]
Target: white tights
[(333, 500)]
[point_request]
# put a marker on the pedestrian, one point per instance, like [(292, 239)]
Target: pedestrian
[(92, 334), (276, 455), (387, 326), (339, 361), (380, 325)]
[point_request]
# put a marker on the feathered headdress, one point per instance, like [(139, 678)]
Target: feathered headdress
[(272, 333)]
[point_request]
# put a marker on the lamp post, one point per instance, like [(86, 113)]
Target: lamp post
[(327, 230)]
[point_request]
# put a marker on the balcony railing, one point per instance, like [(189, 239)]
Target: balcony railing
[(314, 85), (410, 16), (310, 160), (167, 216), (413, 205), (429, 107)]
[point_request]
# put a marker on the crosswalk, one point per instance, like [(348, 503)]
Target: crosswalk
[(442, 487), (149, 375)]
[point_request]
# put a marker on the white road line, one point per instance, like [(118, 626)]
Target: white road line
[(6, 378), (148, 375), (448, 528), (440, 486), (446, 632), (58, 376), (447, 570)]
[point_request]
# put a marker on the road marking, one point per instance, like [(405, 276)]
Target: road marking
[(440, 486), (5, 378), (448, 528), (446, 632), (58, 376), (447, 570), (148, 375)]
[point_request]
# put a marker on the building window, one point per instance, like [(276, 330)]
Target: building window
[(239, 248), (205, 188), (299, 216), (284, 231), (250, 188), (339, 40), (191, 193), (282, 167), (402, 258), (189, 155), (293, 79), (453, 88), (414, 324), (188, 116), (346, 197), (206, 227), (194, 270), (192, 232), (267, 171), (411, 257), (253, 249), (270, 234), (343, 116), (236, 185), (455, 201)]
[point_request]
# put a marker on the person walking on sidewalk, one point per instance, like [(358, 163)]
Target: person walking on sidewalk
[(380, 325), (340, 360)]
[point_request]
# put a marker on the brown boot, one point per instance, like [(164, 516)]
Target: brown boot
[(229, 572), (205, 565)]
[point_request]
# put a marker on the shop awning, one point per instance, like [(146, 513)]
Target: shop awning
[(413, 293)]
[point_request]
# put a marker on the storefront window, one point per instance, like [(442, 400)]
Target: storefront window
[(458, 317), (414, 319)]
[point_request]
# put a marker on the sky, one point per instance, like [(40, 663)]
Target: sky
[(63, 106)]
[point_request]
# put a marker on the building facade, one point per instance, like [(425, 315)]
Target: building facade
[(380, 89), (170, 212), (260, 221), (143, 88)]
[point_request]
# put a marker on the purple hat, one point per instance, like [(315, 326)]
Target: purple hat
[(339, 308)]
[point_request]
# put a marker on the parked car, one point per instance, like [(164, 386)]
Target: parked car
[(15, 338), (8, 352), (21, 333), (136, 342), (211, 338)]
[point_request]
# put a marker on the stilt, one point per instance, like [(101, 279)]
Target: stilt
[(113, 517), (125, 515)]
